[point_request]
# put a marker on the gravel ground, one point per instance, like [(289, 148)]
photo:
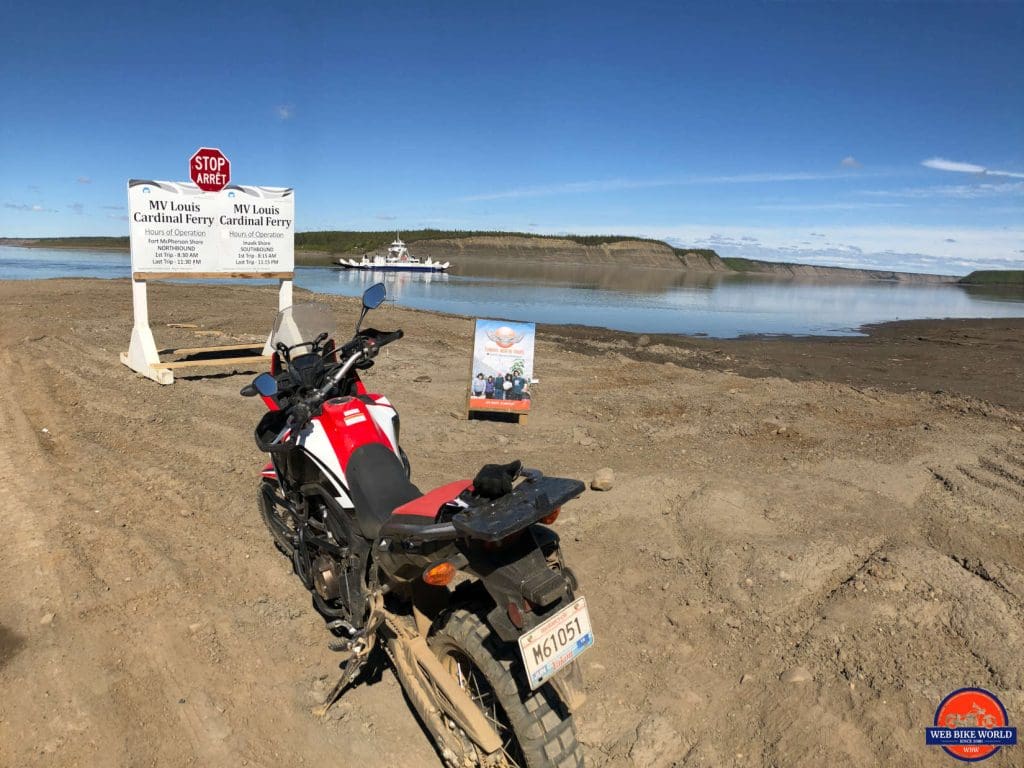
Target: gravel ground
[(806, 545)]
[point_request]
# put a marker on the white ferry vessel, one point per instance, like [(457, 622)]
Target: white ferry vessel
[(398, 259)]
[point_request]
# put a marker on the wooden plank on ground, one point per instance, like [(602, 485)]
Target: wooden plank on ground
[(220, 348), (222, 361)]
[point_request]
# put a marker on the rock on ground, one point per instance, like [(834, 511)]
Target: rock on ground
[(603, 480)]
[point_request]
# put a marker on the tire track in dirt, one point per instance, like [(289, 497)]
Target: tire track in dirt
[(729, 551), (163, 642), (976, 526), (35, 605)]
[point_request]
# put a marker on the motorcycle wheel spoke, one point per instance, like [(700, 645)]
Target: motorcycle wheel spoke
[(484, 698)]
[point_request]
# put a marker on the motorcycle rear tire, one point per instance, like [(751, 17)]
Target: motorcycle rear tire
[(540, 730)]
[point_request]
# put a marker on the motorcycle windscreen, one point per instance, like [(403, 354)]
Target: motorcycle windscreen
[(302, 323)]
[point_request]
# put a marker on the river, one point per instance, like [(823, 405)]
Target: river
[(621, 298)]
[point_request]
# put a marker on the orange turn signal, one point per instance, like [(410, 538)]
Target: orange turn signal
[(439, 575), (549, 519)]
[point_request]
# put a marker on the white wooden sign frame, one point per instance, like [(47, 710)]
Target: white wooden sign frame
[(180, 232)]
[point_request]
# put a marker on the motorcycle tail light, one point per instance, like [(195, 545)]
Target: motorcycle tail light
[(550, 518), (440, 574)]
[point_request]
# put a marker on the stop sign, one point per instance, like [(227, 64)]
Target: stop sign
[(209, 169)]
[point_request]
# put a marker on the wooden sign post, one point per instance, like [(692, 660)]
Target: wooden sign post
[(178, 231)]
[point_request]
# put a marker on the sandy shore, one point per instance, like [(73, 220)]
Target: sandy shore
[(848, 512)]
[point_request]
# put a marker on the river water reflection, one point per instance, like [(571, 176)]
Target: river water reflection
[(640, 300)]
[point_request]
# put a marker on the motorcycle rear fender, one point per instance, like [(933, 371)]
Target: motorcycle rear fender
[(520, 573)]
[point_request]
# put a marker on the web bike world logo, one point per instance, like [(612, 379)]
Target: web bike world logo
[(971, 725)]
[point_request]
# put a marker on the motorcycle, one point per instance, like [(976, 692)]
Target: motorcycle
[(464, 587)]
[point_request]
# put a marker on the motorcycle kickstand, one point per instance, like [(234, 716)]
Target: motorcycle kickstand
[(360, 647), (348, 673)]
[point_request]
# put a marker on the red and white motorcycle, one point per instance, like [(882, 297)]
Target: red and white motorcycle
[(465, 586)]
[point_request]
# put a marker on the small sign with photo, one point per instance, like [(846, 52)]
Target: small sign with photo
[(502, 367)]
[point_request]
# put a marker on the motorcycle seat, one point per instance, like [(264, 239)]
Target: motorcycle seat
[(424, 509), (377, 485)]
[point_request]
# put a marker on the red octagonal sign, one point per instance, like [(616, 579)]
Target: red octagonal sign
[(209, 169)]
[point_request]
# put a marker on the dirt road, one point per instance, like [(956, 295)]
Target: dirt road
[(785, 573)]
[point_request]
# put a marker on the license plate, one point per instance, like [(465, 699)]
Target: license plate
[(557, 642)]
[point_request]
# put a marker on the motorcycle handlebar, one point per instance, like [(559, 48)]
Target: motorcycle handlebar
[(366, 344), (300, 415)]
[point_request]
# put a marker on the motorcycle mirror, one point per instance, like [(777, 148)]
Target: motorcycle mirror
[(374, 296), (265, 384)]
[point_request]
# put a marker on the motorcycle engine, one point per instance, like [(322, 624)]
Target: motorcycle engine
[(327, 577)]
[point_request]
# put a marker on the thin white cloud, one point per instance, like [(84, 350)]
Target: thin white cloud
[(953, 191), (567, 188), (942, 164), (29, 208), (285, 111), (849, 162), (612, 185), (914, 249), (850, 206)]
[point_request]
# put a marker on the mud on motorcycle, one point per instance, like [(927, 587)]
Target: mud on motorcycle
[(464, 587)]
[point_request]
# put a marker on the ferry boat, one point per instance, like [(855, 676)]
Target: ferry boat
[(397, 259)]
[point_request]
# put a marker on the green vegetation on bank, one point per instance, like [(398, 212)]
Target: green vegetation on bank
[(365, 242), (104, 243), (737, 264), (707, 253), (994, 277), (321, 247)]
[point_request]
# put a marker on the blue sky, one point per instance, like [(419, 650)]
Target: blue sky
[(854, 133)]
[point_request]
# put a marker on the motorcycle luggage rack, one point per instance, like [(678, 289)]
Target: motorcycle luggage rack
[(527, 503)]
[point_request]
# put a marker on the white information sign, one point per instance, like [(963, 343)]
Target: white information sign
[(179, 231), (176, 227)]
